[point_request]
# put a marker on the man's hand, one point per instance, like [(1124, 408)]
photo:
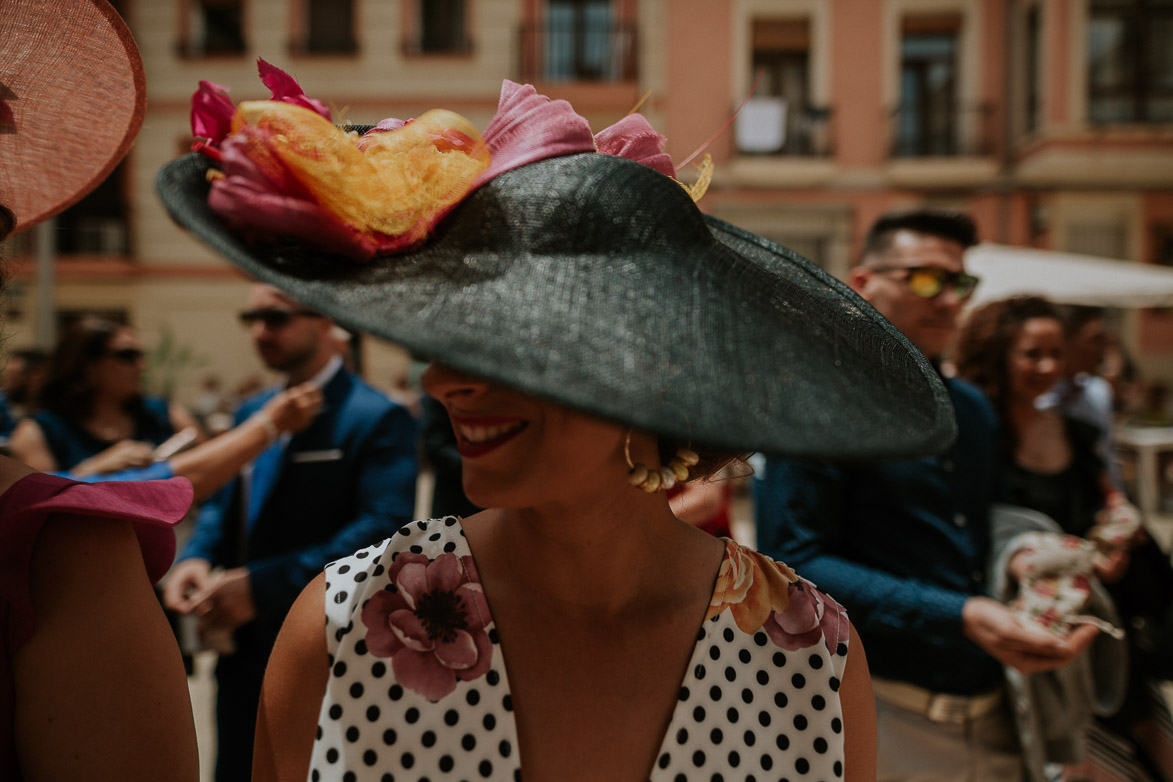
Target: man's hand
[(294, 408), (227, 602), (994, 628), (187, 580)]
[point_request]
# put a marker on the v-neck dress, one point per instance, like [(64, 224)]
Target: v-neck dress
[(418, 687)]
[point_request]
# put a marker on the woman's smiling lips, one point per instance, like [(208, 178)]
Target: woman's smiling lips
[(478, 436)]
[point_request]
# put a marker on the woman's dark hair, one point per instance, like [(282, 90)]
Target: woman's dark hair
[(983, 347), (68, 392)]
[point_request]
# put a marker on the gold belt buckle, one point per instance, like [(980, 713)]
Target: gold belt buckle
[(944, 707)]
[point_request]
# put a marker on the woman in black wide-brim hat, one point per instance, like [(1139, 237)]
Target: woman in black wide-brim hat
[(596, 339)]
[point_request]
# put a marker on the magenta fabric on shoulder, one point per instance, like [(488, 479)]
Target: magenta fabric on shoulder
[(152, 507)]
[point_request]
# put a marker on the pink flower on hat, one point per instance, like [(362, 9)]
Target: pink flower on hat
[(286, 89), (212, 110), (634, 138), (431, 623), (810, 617)]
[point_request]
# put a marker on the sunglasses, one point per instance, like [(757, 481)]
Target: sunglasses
[(273, 317), (928, 281), (126, 355)]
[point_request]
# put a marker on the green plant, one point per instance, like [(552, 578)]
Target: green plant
[(167, 362)]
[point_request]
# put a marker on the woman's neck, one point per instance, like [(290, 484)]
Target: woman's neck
[(1023, 413), (1043, 445), (597, 559), (109, 415)]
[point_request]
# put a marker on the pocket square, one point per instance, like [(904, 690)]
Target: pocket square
[(329, 455)]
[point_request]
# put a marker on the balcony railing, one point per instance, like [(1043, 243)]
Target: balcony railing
[(604, 53), (942, 131), (770, 127)]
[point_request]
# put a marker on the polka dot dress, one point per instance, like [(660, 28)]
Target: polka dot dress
[(418, 688)]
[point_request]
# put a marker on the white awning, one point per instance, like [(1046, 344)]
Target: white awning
[(1067, 278)]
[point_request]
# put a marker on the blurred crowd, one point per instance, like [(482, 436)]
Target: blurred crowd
[(1017, 614), (1042, 388)]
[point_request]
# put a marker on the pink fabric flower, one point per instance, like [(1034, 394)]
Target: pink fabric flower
[(269, 200), (751, 586), (288, 172), (212, 110), (432, 625), (809, 617), (211, 113), (634, 138), (286, 89), (284, 176), (529, 127)]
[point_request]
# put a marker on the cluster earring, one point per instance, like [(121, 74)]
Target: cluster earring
[(663, 479)]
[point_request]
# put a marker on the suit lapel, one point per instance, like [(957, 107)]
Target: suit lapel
[(267, 467), (266, 470)]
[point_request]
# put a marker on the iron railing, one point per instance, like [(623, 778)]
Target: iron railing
[(596, 53), (942, 130)]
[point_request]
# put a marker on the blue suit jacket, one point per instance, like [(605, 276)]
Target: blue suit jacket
[(901, 544), (345, 482)]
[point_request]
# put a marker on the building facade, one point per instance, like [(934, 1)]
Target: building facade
[(1051, 121)]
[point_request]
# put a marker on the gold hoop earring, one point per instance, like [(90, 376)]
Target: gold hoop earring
[(663, 479)]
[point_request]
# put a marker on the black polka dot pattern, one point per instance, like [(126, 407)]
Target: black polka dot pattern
[(746, 707)]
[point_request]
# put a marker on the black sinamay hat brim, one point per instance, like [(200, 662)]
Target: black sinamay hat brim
[(595, 282)]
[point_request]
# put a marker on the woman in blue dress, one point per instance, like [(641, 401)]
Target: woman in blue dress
[(94, 417)]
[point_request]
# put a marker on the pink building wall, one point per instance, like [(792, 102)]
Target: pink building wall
[(861, 131)]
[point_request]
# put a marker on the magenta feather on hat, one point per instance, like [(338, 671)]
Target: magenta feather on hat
[(286, 89), (634, 138), (529, 127)]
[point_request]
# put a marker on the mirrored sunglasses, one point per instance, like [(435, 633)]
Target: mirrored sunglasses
[(273, 317), (929, 281)]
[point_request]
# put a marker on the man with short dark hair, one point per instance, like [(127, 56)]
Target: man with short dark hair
[(344, 483), (904, 545)]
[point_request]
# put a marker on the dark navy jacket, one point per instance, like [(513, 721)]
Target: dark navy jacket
[(71, 444), (901, 544), (345, 482)]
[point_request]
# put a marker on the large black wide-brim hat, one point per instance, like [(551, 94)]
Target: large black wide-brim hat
[(595, 282)]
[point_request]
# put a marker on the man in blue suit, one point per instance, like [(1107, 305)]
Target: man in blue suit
[(345, 482), (903, 544)]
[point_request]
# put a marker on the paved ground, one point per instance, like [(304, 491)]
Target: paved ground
[(202, 687)]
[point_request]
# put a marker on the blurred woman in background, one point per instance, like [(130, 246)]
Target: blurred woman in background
[(94, 417), (1014, 350)]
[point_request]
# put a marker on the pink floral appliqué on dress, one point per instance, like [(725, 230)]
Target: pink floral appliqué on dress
[(431, 623), (762, 594)]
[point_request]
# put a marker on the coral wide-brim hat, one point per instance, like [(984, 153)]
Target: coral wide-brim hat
[(595, 282), (72, 97)]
